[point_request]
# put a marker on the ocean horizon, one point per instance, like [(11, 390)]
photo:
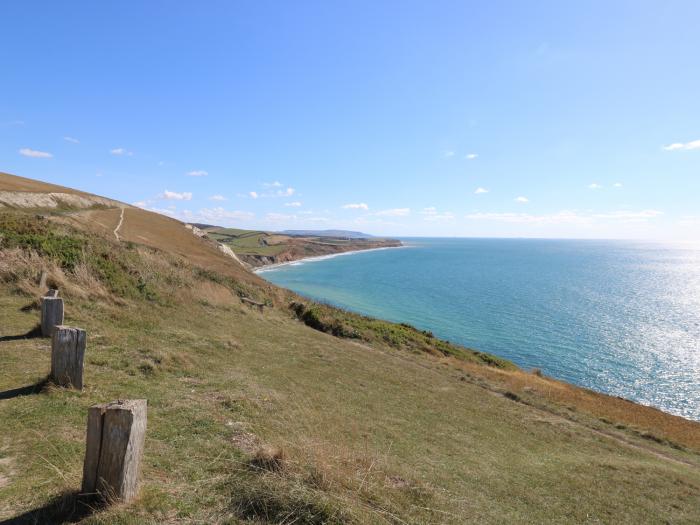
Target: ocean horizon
[(619, 317)]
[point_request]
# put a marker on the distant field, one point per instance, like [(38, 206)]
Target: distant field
[(252, 244)]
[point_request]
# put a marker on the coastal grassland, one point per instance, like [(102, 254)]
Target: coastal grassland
[(258, 418), (246, 242), (342, 323)]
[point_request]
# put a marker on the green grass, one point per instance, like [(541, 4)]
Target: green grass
[(341, 323), (245, 242), (380, 424)]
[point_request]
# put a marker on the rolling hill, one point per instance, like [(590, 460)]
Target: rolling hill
[(259, 248), (299, 413)]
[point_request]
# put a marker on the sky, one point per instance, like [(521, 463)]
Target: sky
[(404, 118)]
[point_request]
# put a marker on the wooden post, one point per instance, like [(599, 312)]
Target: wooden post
[(51, 314), (67, 356), (115, 437)]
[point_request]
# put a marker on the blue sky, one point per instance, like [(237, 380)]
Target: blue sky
[(536, 119)]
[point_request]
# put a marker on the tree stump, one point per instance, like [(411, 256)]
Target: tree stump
[(51, 314), (67, 356), (115, 437)]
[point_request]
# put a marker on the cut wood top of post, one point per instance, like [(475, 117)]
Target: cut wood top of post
[(126, 404), (53, 292)]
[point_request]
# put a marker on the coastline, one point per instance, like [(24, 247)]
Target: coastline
[(275, 266)]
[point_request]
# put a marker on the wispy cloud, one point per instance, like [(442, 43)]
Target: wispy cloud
[(522, 199), (693, 144), (594, 186), (286, 193), (121, 151), (176, 196), (568, 217), (432, 214), (449, 153), (71, 139), (295, 204), (356, 206), (197, 173), (35, 154), (219, 214), (279, 217), (629, 215), (617, 185), (253, 194), (393, 212), (275, 184), (471, 156), (480, 190), (219, 198)]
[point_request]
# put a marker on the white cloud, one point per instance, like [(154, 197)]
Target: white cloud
[(480, 190), (594, 186), (557, 218), (355, 206), (71, 139), (275, 184), (567, 217), (253, 194), (295, 204), (617, 185), (197, 173), (140, 204), (522, 199), (217, 198), (175, 196), (219, 214), (629, 215), (286, 193), (394, 212), (431, 214), (693, 144), (35, 154), (449, 153), (279, 217), (471, 156), (121, 151)]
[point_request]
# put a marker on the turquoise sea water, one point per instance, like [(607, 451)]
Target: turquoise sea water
[(618, 317)]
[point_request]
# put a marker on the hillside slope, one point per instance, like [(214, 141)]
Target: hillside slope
[(301, 414), (258, 248)]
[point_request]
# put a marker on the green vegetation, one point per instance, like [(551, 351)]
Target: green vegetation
[(246, 242), (32, 233), (341, 323), (255, 418)]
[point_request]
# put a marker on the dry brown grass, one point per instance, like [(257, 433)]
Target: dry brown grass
[(643, 419), (270, 458), (14, 183)]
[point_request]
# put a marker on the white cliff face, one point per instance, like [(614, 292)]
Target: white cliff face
[(228, 251), (196, 231), (222, 248), (28, 199)]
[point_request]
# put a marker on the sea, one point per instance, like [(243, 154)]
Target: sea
[(618, 317)]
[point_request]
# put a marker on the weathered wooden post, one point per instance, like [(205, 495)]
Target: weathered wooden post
[(115, 437), (67, 356), (51, 313)]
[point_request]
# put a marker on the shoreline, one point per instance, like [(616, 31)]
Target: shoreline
[(315, 258)]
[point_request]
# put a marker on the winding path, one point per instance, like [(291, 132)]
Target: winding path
[(116, 230)]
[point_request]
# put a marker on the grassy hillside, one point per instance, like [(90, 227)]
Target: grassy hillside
[(258, 248), (301, 413)]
